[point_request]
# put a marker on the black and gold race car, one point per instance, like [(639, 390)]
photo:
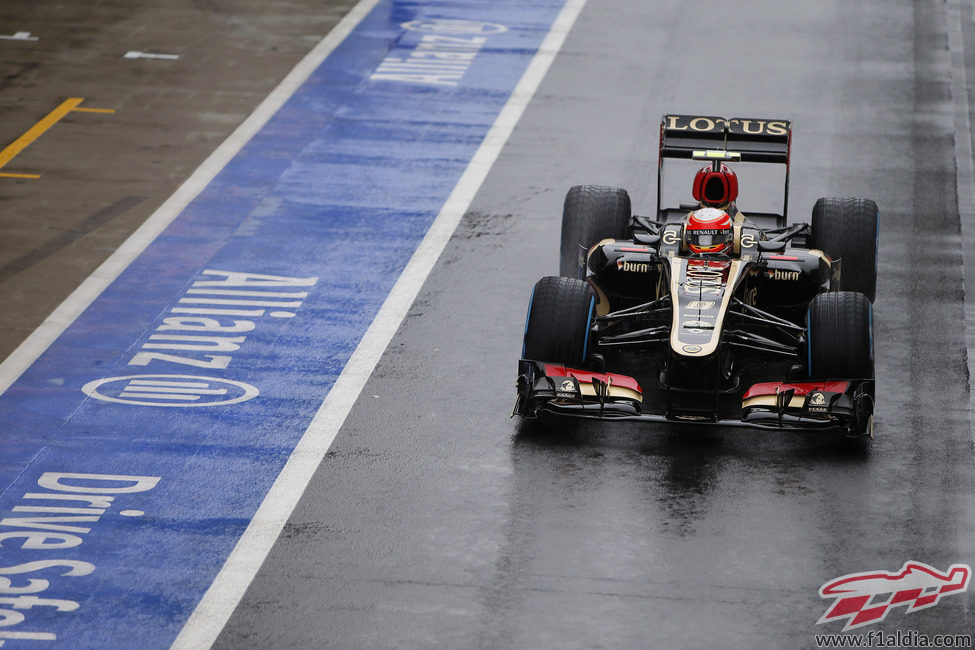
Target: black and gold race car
[(703, 313)]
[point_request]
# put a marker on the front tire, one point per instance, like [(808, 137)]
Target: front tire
[(839, 336), (591, 213), (559, 320), (846, 230)]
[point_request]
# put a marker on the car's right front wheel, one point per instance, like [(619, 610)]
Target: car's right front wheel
[(559, 320), (839, 336)]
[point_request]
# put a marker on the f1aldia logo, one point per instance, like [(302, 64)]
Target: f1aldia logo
[(866, 598), (170, 390)]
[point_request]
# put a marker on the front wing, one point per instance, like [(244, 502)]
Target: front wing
[(553, 389)]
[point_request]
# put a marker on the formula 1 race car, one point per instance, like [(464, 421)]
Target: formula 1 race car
[(704, 314)]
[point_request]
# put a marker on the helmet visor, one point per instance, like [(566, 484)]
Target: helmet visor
[(709, 239)]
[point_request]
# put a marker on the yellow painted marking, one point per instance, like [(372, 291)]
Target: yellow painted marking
[(36, 131)]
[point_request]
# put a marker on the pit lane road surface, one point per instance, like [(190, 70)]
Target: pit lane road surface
[(103, 174), (435, 521)]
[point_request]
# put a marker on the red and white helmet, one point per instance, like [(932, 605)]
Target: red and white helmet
[(709, 230), (715, 187)]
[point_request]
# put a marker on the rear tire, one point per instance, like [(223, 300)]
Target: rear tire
[(591, 213), (839, 336), (559, 318), (846, 230)]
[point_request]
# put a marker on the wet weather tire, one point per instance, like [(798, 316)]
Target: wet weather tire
[(559, 318), (846, 229), (839, 328), (591, 213)]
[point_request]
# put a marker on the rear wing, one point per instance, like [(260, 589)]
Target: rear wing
[(756, 140)]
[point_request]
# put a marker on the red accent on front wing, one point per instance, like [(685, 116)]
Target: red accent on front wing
[(802, 388), (622, 381)]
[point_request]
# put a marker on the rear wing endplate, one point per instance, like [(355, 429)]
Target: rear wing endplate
[(757, 140)]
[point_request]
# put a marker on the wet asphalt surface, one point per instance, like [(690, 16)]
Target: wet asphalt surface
[(436, 521)]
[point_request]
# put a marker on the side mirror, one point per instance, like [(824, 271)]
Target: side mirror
[(646, 238), (771, 246)]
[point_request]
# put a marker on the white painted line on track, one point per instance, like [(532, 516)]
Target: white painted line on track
[(135, 54), (19, 36), (66, 313), (245, 560)]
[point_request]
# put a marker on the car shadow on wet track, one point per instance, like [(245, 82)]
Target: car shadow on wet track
[(636, 522), (683, 463)]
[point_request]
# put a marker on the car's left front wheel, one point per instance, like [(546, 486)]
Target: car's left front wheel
[(839, 331)]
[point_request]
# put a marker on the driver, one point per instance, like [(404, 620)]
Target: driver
[(709, 230)]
